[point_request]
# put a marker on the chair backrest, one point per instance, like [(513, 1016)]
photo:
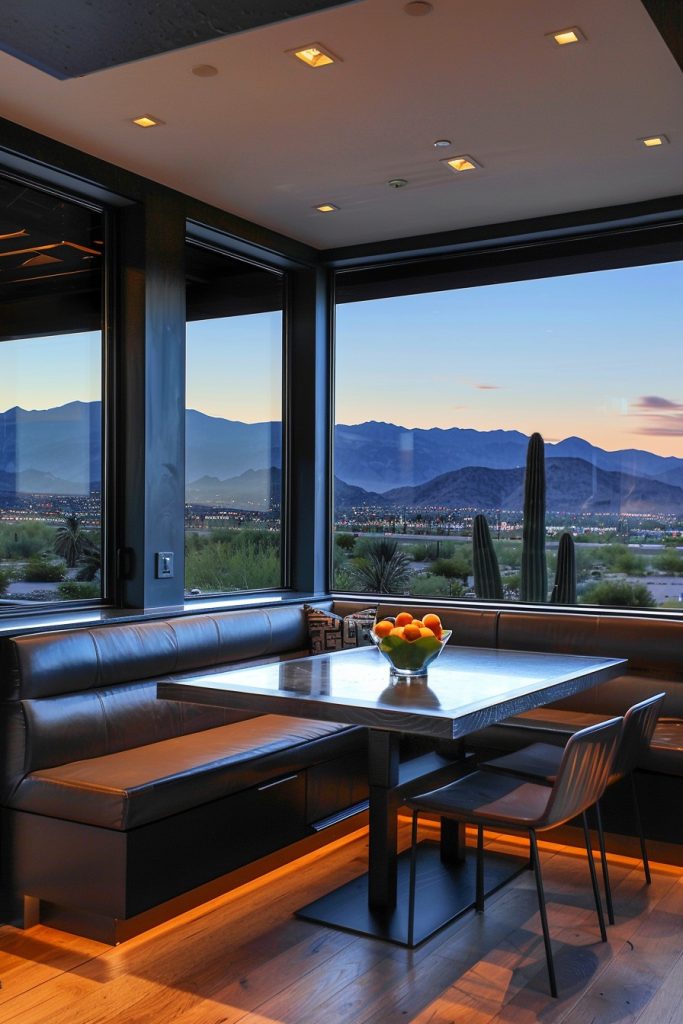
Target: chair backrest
[(639, 725), (583, 773)]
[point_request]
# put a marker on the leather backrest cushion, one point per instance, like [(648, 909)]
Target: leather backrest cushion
[(48, 664), (651, 645), (617, 695), (78, 726), (471, 627)]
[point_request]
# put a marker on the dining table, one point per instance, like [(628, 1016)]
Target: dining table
[(466, 689)]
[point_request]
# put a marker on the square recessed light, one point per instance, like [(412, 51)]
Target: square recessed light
[(566, 36), (326, 208), (461, 163), (314, 55), (654, 140), (147, 122)]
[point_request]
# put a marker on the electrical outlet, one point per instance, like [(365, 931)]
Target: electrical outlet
[(164, 565)]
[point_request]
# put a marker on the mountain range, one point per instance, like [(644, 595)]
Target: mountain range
[(237, 465)]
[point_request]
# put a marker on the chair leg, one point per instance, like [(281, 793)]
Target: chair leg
[(479, 905), (639, 827), (603, 861), (544, 917), (411, 889), (594, 877)]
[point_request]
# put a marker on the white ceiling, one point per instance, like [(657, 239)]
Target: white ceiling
[(555, 129)]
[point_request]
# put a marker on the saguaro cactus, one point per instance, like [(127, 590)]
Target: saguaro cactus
[(534, 576), (487, 582), (564, 591)]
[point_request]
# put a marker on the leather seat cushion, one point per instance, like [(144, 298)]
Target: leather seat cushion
[(542, 725), (130, 788), (666, 749)]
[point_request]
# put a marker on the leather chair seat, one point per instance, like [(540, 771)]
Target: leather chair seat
[(133, 787)]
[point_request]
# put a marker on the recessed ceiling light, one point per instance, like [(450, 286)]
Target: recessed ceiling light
[(397, 183), (654, 140), (461, 163), (204, 70), (442, 143), (327, 208), (567, 36), (314, 55), (147, 122)]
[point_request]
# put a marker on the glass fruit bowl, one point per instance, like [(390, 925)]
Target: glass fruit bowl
[(410, 657)]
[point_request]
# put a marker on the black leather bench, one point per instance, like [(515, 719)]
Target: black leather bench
[(114, 802)]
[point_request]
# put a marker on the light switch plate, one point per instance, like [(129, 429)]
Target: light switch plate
[(164, 565)]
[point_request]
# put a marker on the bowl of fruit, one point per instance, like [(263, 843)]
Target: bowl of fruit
[(408, 643)]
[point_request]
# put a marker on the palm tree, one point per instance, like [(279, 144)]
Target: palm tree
[(71, 541), (382, 568), (90, 563)]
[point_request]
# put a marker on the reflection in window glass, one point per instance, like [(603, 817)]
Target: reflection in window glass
[(233, 425), (50, 399), (437, 396)]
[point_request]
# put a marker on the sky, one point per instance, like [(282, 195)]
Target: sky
[(595, 355)]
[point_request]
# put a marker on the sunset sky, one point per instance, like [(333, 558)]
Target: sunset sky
[(596, 355)]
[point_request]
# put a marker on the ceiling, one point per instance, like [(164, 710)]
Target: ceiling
[(555, 129)]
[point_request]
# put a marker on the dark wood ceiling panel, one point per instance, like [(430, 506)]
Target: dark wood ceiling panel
[(668, 17), (72, 38)]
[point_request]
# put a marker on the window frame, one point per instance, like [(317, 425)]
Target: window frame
[(470, 264), (242, 253), (108, 517)]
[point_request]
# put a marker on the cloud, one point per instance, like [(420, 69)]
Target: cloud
[(660, 417), (649, 402), (487, 387)]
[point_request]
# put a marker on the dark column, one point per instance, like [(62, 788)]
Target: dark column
[(309, 438), (152, 410)]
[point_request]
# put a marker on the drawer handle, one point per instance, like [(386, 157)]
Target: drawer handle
[(278, 782)]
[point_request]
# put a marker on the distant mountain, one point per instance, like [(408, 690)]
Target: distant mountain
[(572, 485), (237, 464), (63, 443), (254, 490), (227, 448), (376, 456)]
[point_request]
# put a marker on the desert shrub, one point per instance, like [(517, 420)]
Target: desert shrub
[(39, 569), (618, 594), (72, 590)]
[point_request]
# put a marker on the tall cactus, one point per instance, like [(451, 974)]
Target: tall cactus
[(487, 582), (534, 576), (564, 591)]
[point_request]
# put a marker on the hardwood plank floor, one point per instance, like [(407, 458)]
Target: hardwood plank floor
[(244, 958)]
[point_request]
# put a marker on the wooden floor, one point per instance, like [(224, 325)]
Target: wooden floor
[(245, 958)]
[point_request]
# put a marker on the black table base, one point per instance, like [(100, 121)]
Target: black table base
[(444, 892)]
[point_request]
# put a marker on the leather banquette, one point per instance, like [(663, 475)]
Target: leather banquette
[(114, 802)]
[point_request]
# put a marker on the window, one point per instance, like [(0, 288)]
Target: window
[(233, 424), (51, 272), (437, 395)]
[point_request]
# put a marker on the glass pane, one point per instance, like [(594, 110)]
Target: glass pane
[(233, 425), (437, 396), (51, 255)]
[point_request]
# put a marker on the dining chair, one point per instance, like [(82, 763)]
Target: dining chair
[(491, 800), (540, 762)]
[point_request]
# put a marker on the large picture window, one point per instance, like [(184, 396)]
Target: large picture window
[(233, 425), (437, 397), (51, 272)]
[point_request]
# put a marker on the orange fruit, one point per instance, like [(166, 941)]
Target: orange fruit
[(411, 632), (397, 631), (383, 628), (418, 622), (432, 622), (426, 631), (404, 618)]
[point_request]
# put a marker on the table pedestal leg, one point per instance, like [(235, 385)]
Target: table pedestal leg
[(382, 857), (452, 841)]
